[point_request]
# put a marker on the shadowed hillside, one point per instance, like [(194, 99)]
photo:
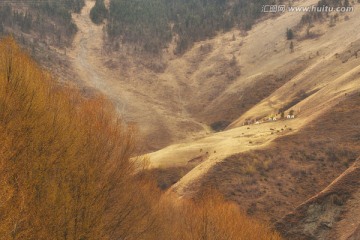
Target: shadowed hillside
[(330, 214)]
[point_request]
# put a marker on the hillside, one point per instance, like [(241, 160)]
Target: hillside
[(271, 167), (152, 25), (271, 180), (319, 82), (45, 29), (330, 214), (174, 97)]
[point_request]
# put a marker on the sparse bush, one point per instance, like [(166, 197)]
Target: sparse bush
[(332, 21), (250, 169), (219, 125), (233, 61), (233, 37), (99, 12), (289, 34)]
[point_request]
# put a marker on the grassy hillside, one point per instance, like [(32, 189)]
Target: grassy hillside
[(66, 173), (270, 182), (272, 166)]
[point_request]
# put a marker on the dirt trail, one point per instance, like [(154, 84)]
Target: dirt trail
[(87, 44)]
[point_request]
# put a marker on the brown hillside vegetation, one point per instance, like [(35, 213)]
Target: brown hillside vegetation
[(66, 173), (331, 214), (214, 220), (272, 181), (271, 167), (64, 161)]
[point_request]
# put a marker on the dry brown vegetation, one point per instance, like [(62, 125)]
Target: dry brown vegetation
[(209, 217), (65, 168), (271, 182), (166, 177), (328, 214), (66, 173)]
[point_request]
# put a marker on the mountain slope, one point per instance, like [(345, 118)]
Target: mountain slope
[(313, 89), (174, 98), (270, 180), (262, 166), (331, 214)]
